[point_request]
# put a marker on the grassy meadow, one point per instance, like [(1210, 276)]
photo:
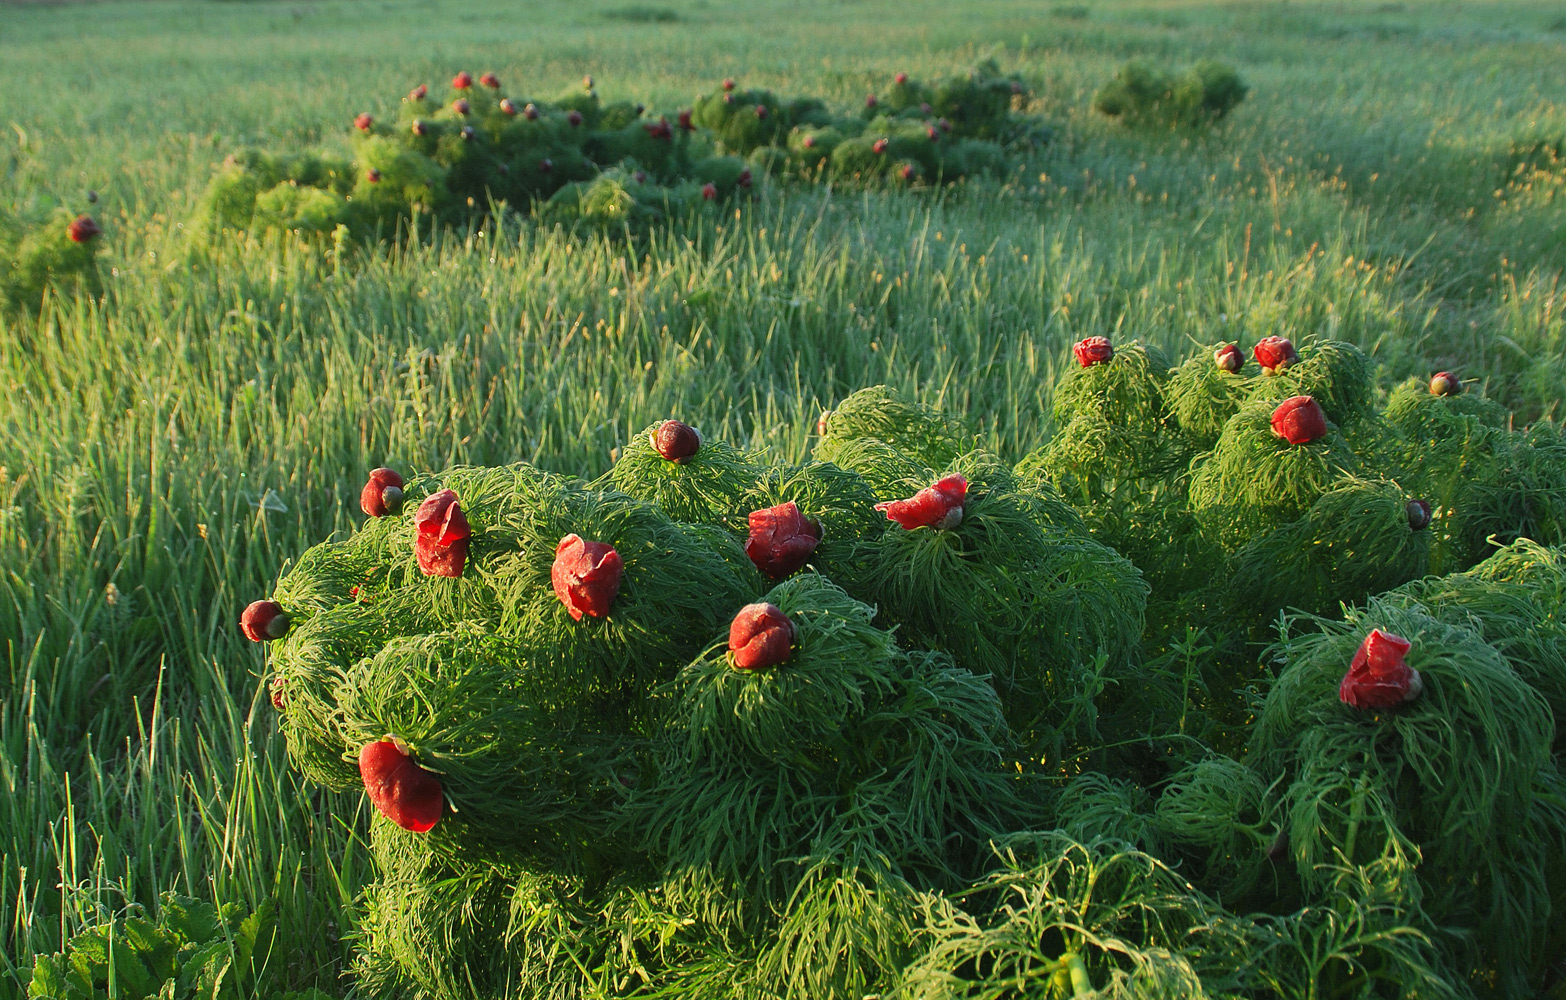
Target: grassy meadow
[(1394, 179)]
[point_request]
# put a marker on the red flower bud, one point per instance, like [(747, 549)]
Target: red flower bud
[(1418, 515), (507, 108), (1299, 420), (463, 80), (870, 101), (1092, 351), (418, 93), (781, 539), (490, 80), (675, 441), (400, 790), (760, 636), (933, 133), (586, 576), (1228, 358), (728, 84), (709, 191), (530, 112), (546, 165), (468, 133), (441, 546), (879, 146), (1378, 677), (574, 118), (761, 111), (363, 121), (82, 229), (1274, 354), (418, 127), (821, 422), (372, 175), (382, 493), (640, 177), (808, 141), (278, 696), (945, 125), (660, 129), (263, 620), (901, 78), (744, 178), (461, 105), (939, 506), (907, 173), (684, 119), (1445, 384)]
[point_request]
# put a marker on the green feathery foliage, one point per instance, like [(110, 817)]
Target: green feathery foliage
[(1337, 375), (1254, 481), (1144, 94), (923, 434), (1202, 397), (1450, 782), (1354, 541), (703, 489), (38, 253)]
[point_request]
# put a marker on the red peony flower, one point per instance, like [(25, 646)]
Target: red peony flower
[(82, 229), (1418, 515), (278, 696), (675, 441), (879, 146), (461, 106), (418, 127), (660, 129), (400, 790), (870, 101), (744, 180), (507, 108), (263, 620), (1299, 420), (709, 191), (372, 175), (1445, 384), (781, 539), (441, 546), (546, 165), (1228, 358), (586, 576), (938, 506), (908, 172), (900, 79), (574, 118), (931, 131), (684, 119), (1378, 677), (1274, 354), (760, 636), (761, 111), (530, 112), (808, 141), (728, 84), (417, 93), (463, 80), (363, 121), (1092, 351), (382, 493), (468, 132), (490, 80)]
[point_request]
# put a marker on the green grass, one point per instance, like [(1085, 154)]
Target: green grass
[(164, 452)]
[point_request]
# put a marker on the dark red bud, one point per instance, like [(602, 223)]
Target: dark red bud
[(1092, 351), (490, 80), (546, 165), (461, 105), (372, 175), (907, 172), (586, 576), (418, 127), (263, 620), (880, 145), (1445, 384), (1228, 358), (574, 118), (901, 78), (363, 122), (709, 191), (728, 84), (1299, 420), (760, 636), (675, 441), (1418, 515), (870, 101), (382, 493), (684, 119), (83, 229), (400, 790), (507, 107), (781, 539), (468, 132), (418, 93), (808, 141), (1274, 354), (761, 111), (530, 112), (463, 80)]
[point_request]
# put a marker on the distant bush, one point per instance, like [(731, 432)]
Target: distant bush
[(1144, 94), (577, 159)]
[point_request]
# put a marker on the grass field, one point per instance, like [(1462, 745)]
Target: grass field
[(164, 452)]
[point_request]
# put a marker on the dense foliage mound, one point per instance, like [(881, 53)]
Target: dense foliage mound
[(901, 720), (52, 250), (576, 158), (1144, 94)]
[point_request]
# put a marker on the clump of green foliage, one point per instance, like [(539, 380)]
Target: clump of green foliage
[(38, 252), (192, 951), (575, 159), (1144, 94)]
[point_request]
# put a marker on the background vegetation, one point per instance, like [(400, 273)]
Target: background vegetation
[(1394, 179)]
